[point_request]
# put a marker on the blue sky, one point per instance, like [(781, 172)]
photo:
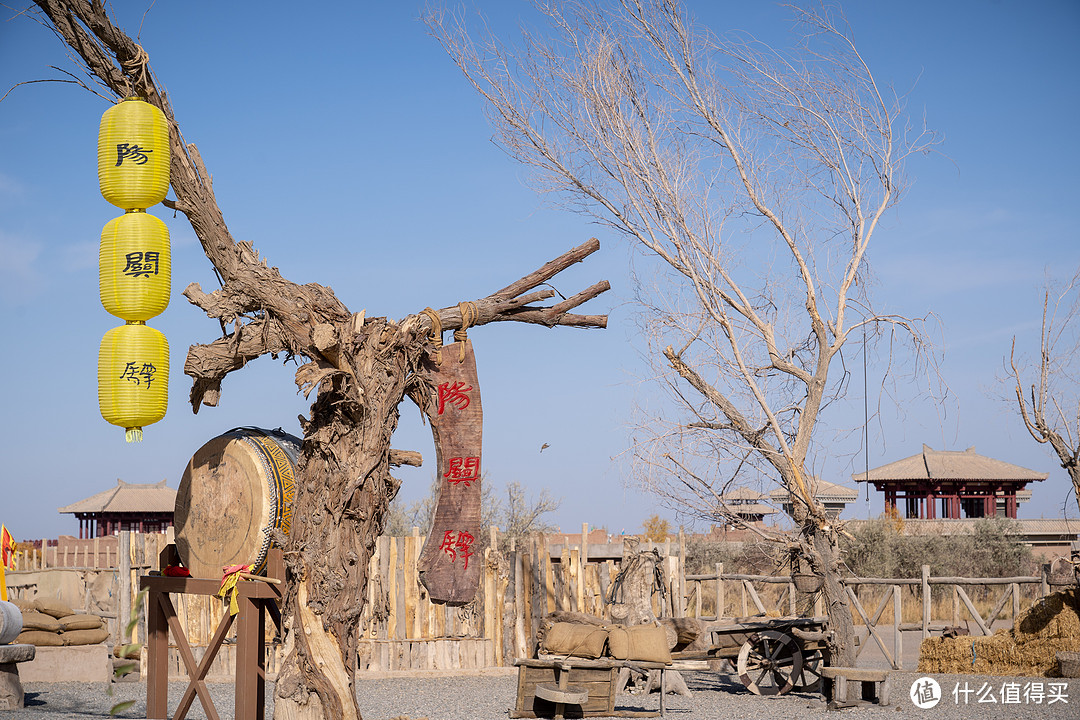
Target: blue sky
[(348, 148)]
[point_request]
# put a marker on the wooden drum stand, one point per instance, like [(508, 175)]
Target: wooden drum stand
[(256, 598)]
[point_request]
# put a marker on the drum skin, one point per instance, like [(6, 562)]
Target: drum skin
[(236, 489)]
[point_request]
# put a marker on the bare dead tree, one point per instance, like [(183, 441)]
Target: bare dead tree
[(1048, 391), (757, 178), (359, 367)]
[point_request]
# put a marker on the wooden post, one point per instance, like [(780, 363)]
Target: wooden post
[(719, 591), (584, 544), (157, 673), (956, 605), (925, 601), (680, 611), (125, 586), (898, 636), (745, 610), (1045, 587), (1015, 602)]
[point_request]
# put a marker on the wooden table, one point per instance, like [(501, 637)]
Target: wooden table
[(255, 599), (570, 674)]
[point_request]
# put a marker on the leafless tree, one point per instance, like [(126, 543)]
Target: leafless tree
[(359, 367), (757, 178), (1048, 391)]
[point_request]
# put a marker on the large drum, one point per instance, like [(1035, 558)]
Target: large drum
[(236, 490)]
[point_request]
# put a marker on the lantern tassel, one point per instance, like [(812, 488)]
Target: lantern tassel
[(133, 434)]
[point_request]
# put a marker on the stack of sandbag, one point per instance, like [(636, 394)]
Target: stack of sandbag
[(636, 642), (51, 623)]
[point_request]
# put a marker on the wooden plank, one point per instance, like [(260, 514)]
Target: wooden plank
[(898, 636), (411, 588), (974, 613), (503, 642), (382, 545), (566, 596), (402, 630), (446, 565), (753, 596), (549, 580), (577, 579), (520, 608)]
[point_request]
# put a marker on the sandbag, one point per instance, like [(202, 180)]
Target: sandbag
[(23, 605), (80, 622), (40, 638), (53, 607), (585, 641), (34, 620), (84, 637), (647, 643)]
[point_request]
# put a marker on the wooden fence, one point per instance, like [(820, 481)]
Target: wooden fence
[(402, 630)]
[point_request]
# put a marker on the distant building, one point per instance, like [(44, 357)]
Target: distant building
[(952, 485), (833, 496), (146, 508), (748, 505)]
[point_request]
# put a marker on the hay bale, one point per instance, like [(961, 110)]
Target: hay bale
[(1050, 626), (1054, 616)]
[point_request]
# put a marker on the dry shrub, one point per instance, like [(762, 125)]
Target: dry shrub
[(1050, 626)]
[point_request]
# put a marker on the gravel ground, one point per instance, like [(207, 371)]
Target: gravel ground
[(715, 697)]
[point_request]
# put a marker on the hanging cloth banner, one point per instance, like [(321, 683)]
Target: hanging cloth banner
[(449, 564)]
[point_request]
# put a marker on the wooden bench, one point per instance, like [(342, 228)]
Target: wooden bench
[(579, 687), (11, 689), (874, 685)]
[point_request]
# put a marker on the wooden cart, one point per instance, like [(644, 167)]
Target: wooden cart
[(772, 655)]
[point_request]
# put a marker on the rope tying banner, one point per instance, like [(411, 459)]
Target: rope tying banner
[(436, 333), (469, 315)]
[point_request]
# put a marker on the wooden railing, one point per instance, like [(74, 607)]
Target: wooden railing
[(785, 602)]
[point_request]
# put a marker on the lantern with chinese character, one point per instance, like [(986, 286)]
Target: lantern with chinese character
[(133, 154), (134, 266), (133, 377)]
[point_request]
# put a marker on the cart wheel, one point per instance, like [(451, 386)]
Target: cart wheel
[(769, 663), (810, 680)]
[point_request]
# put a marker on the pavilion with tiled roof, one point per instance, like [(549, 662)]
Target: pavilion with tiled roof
[(749, 505), (952, 484), (144, 508)]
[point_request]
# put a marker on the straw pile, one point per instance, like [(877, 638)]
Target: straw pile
[(1051, 625)]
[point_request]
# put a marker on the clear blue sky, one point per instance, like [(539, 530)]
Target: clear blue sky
[(348, 148)]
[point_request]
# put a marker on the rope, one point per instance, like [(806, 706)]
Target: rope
[(469, 315), (436, 333), (136, 68)]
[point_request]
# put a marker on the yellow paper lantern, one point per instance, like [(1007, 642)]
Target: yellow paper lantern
[(133, 377), (133, 154), (135, 266)]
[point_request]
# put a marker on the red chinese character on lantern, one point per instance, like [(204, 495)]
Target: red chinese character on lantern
[(462, 470), (457, 545), (454, 394)]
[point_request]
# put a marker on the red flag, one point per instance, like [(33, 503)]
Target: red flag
[(7, 547)]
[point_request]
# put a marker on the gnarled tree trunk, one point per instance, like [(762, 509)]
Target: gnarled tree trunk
[(361, 368)]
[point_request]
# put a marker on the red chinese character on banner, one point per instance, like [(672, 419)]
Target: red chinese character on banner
[(457, 545), (454, 394), (463, 470)]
